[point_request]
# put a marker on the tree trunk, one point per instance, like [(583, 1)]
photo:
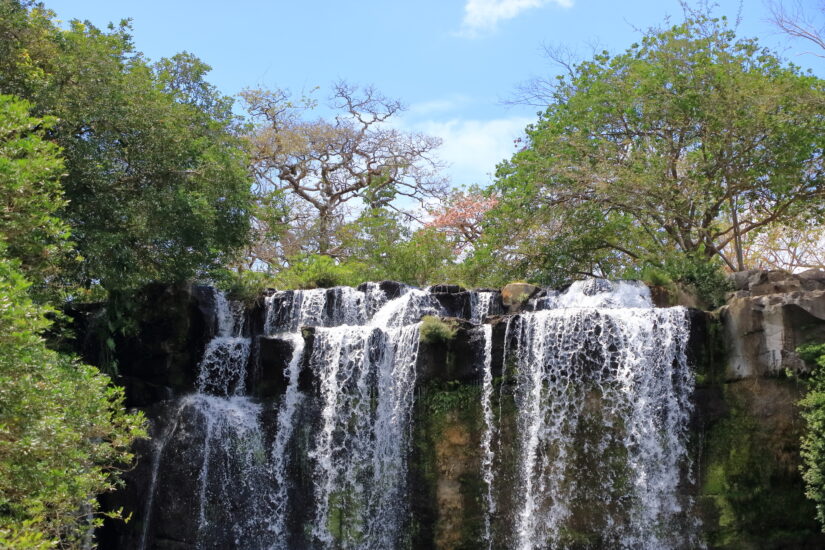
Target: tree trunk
[(737, 238), (323, 231)]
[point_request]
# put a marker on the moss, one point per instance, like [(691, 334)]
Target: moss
[(434, 330), (343, 522), (447, 485), (708, 352), (751, 494)]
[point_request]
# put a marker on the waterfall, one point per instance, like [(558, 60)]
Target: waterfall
[(487, 454), (601, 383), (481, 305), (217, 434), (280, 457), (366, 376), (584, 406)]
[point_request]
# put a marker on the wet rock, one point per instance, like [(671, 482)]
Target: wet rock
[(447, 289), (392, 289), (455, 301), (457, 359), (271, 361)]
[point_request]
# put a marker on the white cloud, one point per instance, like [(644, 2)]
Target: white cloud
[(484, 15), (472, 148), (437, 106)]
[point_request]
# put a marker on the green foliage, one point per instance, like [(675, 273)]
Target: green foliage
[(30, 192), (751, 493), (319, 271), (655, 276), (156, 182), (680, 145), (436, 331), (245, 286), (63, 429), (813, 439), (381, 240), (450, 397), (705, 277)]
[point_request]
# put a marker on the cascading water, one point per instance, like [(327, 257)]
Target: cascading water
[(482, 305), (218, 431), (584, 403), (601, 390), (364, 353), (487, 454)]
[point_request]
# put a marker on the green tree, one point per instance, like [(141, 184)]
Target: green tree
[(683, 144), (30, 192), (156, 183), (813, 438), (63, 429)]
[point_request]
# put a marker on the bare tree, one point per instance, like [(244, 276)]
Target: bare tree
[(340, 166), (795, 21)]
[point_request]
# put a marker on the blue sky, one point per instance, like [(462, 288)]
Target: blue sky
[(452, 62)]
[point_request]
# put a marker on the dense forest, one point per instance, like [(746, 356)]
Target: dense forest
[(692, 154)]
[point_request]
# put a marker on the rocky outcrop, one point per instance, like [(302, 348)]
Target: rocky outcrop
[(768, 316), (515, 295), (746, 421)]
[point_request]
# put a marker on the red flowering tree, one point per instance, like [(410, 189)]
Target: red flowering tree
[(461, 217)]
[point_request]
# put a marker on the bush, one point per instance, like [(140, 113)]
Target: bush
[(244, 286), (318, 271), (705, 277), (436, 331), (63, 429), (813, 436)]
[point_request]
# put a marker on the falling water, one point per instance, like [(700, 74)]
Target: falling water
[(487, 454), (481, 305), (601, 385), (280, 456), (290, 310), (366, 376), (222, 371), (232, 473), (596, 388)]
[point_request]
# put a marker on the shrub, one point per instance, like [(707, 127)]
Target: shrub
[(813, 436), (64, 431), (244, 286), (436, 331), (319, 271)]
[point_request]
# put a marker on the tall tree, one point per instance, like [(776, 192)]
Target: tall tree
[(686, 142), (63, 430), (156, 183), (329, 169)]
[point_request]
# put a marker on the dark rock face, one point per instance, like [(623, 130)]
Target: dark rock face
[(159, 360), (392, 289)]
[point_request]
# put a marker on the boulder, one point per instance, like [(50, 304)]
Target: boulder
[(515, 295), (768, 317)]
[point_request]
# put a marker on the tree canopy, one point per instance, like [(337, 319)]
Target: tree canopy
[(685, 143), (326, 170), (156, 182), (63, 428)]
